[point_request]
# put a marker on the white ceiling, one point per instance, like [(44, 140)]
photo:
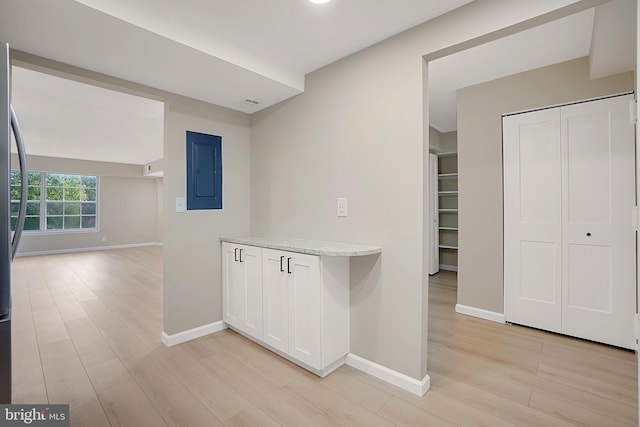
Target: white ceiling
[(68, 119), (548, 44), (224, 52), (606, 33), (218, 51)]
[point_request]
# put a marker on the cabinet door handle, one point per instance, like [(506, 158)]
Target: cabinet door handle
[(281, 266), (240, 257), (289, 265), (235, 254)]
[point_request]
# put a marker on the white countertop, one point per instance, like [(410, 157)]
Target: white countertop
[(311, 247)]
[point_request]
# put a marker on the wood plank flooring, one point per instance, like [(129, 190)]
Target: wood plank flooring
[(87, 328)]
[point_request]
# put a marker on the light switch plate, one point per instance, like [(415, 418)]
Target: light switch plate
[(181, 205), (342, 206)]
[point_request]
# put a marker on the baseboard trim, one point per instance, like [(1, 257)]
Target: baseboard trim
[(417, 387), (89, 249), (482, 314), (192, 334), (448, 267)]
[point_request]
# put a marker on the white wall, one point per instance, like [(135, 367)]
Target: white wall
[(192, 256), (334, 141), (160, 211), (439, 142), (636, 82), (360, 130), (128, 209)]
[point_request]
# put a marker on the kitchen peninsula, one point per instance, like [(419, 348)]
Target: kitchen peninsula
[(291, 296)]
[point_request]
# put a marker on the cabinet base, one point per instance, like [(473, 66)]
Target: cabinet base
[(319, 372)]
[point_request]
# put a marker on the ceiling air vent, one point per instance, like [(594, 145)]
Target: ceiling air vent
[(250, 101)]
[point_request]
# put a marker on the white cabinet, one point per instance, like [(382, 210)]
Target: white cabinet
[(304, 303), (275, 297), (242, 288), (292, 303)]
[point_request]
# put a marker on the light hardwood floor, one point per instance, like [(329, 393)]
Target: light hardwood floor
[(87, 328)]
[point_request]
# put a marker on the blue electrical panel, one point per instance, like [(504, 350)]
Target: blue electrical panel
[(204, 171)]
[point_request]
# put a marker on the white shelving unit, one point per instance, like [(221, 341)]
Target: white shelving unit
[(448, 210)]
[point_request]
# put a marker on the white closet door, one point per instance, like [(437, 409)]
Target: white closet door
[(598, 301), (532, 219)]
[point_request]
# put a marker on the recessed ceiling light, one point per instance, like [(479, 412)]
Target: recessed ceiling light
[(319, 1)]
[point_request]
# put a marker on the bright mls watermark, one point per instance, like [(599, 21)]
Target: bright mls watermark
[(34, 415)]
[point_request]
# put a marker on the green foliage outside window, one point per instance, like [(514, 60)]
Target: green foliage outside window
[(69, 201), (34, 187)]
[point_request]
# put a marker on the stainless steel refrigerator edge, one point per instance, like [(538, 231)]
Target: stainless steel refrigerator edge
[(5, 227), (8, 244)]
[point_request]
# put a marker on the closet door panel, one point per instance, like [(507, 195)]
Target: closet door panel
[(598, 238), (536, 185), (589, 264), (538, 281), (532, 251), (588, 162)]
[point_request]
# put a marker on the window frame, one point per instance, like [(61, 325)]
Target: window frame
[(43, 207), (12, 201)]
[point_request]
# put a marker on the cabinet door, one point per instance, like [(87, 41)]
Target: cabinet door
[(303, 273), (232, 294), (250, 281), (275, 296)]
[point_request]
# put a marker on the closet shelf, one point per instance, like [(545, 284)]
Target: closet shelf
[(444, 194), (448, 154), (447, 175), (448, 247)]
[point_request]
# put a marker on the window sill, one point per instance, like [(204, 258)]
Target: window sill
[(57, 232)]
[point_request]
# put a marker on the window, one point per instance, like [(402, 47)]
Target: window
[(56, 201), (32, 221), (71, 201)]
